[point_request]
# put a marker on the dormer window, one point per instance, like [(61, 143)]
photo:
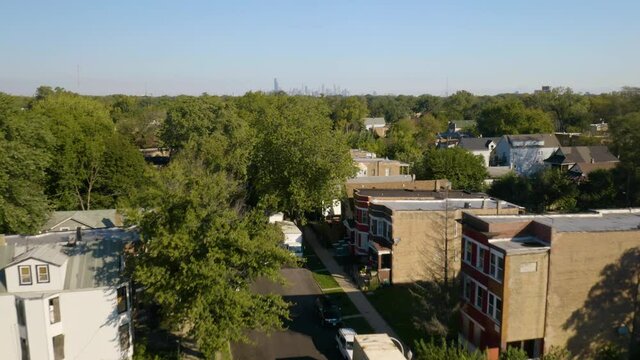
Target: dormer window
[(43, 273), (25, 275)]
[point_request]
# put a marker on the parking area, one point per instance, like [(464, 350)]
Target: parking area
[(304, 337)]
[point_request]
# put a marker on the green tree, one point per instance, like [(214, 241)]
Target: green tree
[(348, 114), (569, 109), (86, 146), (462, 168), (598, 192), (24, 157), (441, 350), (512, 353), (511, 117), (401, 142), (298, 162), (513, 188), (555, 191), (200, 252), (460, 106)]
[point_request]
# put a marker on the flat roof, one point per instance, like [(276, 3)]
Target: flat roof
[(520, 245), (380, 179), (421, 193), (442, 204), (378, 347), (597, 221)]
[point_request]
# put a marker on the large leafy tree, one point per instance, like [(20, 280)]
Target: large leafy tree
[(200, 251), (512, 117), (90, 157), (348, 113), (298, 161), (24, 157), (211, 128), (462, 168)]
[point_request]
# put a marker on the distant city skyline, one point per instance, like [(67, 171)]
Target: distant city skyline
[(364, 47)]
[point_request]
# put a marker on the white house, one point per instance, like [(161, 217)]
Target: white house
[(374, 123), (65, 298), (525, 153), (480, 146)]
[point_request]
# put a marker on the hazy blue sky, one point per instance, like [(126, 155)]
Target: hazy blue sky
[(410, 47)]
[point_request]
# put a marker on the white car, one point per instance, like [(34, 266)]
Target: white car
[(345, 339)]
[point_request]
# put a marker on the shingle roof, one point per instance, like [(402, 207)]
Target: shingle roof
[(472, 144), (49, 253), (94, 219), (586, 168), (582, 154)]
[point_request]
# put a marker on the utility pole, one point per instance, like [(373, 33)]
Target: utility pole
[(446, 237)]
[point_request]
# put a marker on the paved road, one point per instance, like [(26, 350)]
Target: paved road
[(304, 338)]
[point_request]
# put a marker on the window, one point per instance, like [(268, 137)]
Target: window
[(374, 226), (468, 284), (20, 311), (58, 347), (385, 228), (122, 299), (467, 251), (123, 336), (365, 218), (25, 275), (387, 172), (24, 348), (480, 258), (479, 296), (380, 228), (496, 266), (494, 308), (43, 273), (54, 310)]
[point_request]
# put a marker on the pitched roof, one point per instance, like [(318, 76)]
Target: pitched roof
[(94, 219), (379, 121), (48, 253), (582, 154), (533, 140), (586, 168), (472, 144)]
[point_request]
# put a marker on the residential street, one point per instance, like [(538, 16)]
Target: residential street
[(304, 338)]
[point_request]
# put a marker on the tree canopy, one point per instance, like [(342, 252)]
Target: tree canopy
[(462, 168)]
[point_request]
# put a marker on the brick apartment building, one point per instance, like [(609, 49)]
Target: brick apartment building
[(536, 281)]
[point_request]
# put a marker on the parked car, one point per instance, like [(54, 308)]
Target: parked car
[(345, 339), (328, 311)]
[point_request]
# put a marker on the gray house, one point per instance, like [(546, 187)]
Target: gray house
[(84, 219)]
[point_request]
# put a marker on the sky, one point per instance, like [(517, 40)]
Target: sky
[(384, 47)]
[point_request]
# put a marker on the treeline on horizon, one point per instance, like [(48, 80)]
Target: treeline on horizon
[(64, 151)]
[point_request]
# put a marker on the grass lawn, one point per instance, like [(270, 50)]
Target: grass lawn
[(395, 304), (325, 280), (359, 324)]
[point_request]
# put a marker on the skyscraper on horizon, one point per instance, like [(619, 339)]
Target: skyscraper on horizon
[(276, 87)]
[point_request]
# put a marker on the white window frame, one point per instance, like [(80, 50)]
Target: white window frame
[(20, 276), (492, 306), (46, 267), (493, 272), (479, 263), (467, 285), (468, 249), (475, 300)]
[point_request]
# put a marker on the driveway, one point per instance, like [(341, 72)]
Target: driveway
[(304, 338)]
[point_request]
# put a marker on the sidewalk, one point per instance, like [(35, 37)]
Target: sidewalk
[(356, 296)]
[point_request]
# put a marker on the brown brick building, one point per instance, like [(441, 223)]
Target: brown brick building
[(409, 236), (550, 280)]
